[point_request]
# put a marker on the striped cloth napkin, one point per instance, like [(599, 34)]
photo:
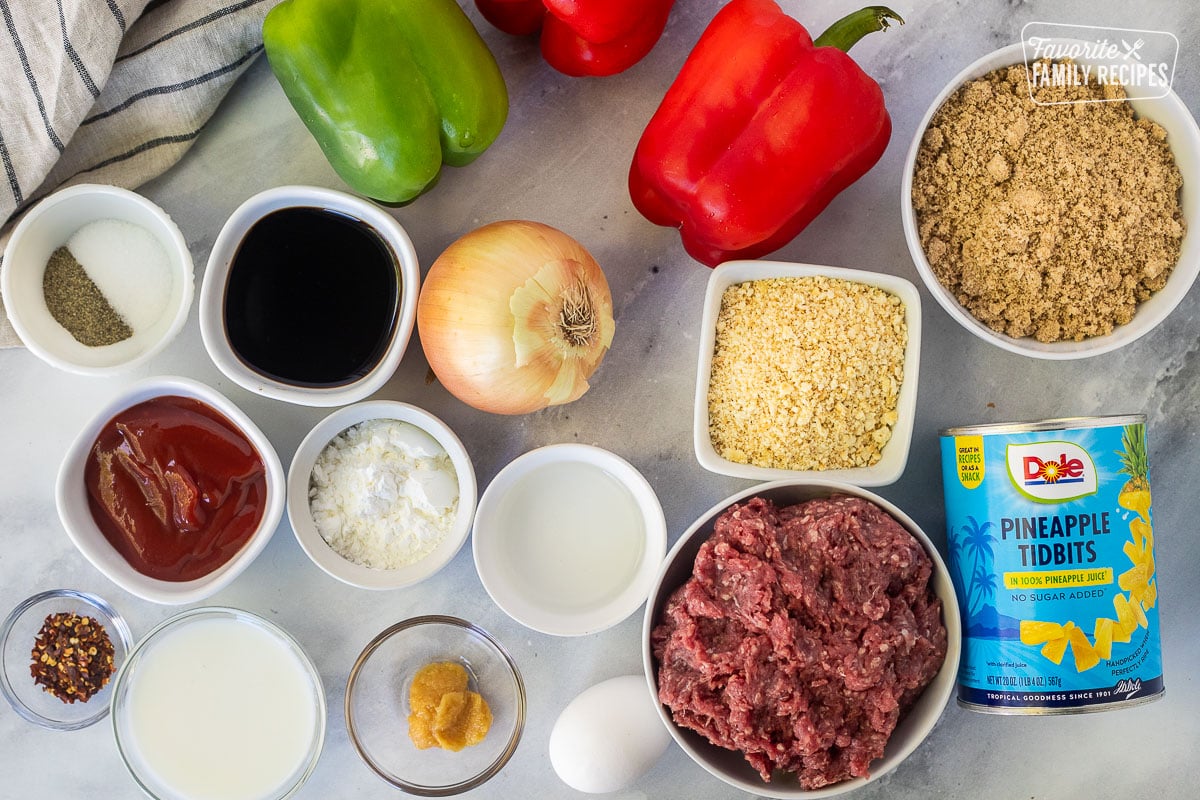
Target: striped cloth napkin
[(110, 91)]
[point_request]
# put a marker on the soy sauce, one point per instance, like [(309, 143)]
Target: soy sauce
[(312, 297)]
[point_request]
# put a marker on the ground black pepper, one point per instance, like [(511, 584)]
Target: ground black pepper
[(78, 304), (72, 657)]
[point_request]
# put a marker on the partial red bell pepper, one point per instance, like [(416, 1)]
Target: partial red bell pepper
[(760, 130), (584, 37), (516, 17)]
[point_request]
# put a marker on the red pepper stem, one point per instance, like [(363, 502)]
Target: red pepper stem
[(846, 32)]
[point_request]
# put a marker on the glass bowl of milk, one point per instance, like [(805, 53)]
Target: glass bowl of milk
[(219, 703)]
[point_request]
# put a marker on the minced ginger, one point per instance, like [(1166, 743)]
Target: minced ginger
[(443, 712), (1051, 221)]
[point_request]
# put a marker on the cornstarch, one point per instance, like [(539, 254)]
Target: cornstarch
[(383, 494)]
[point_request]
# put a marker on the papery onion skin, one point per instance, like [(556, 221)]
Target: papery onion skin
[(465, 317)]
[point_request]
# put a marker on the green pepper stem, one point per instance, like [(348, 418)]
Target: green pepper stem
[(846, 32)]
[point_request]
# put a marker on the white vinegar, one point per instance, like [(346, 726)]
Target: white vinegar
[(573, 535)]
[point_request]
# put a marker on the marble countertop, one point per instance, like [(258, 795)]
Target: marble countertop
[(562, 160)]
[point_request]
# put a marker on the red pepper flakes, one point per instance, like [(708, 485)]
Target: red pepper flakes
[(72, 657)]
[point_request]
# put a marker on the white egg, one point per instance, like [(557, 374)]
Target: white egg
[(608, 736)]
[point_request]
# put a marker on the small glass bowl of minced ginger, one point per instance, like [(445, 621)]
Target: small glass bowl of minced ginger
[(404, 715)]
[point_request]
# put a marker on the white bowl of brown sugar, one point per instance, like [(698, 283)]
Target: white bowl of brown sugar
[(96, 279), (1058, 229)]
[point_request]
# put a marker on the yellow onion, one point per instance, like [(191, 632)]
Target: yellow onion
[(515, 316)]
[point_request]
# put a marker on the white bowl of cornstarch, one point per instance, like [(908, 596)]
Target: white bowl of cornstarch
[(381, 494)]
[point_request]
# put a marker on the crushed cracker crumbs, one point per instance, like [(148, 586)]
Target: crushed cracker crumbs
[(806, 373)]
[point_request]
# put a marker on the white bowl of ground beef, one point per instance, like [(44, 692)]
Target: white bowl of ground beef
[(1058, 256), (774, 630)]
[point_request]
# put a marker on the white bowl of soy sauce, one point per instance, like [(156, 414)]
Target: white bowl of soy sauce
[(309, 296)]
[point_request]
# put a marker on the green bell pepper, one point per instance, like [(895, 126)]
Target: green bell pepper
[(390, 89)]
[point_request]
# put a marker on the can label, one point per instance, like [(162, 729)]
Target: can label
[(1051, 539)]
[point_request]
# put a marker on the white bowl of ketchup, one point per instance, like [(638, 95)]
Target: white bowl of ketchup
[(170, 490)]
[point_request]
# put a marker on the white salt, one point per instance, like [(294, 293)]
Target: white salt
[(129, 266)]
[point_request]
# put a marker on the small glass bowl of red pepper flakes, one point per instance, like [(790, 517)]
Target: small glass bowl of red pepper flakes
[(50, 675)]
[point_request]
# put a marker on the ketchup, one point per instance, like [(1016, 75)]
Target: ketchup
[(175, 487)]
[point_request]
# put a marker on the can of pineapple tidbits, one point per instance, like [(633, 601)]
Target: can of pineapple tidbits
[(1051, 543)]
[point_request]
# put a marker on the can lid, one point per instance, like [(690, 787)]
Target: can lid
[(1060, 424)]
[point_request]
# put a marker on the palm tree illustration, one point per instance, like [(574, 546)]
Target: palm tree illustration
[(978, 546), (957, 557), (986, 581)]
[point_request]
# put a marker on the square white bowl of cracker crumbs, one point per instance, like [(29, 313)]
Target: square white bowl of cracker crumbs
[(807, 370)]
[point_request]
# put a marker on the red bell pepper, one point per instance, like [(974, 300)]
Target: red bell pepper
[(516, 17), (584, 37), (760, 130)]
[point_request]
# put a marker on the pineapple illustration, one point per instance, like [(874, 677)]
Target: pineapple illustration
[(1135, 494)]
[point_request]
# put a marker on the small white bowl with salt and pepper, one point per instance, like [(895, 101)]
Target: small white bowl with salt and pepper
[(381, 494), (96, 279)]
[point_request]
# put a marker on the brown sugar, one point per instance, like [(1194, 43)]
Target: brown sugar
[(1051, 221)]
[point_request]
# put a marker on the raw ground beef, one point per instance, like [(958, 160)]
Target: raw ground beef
[(802, 636)]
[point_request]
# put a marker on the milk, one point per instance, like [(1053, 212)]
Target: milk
[(220, 708)]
